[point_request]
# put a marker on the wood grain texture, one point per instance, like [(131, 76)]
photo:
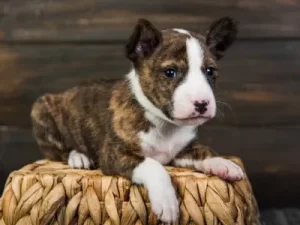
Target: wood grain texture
[(270, 155), (258, 80), (106, 20)]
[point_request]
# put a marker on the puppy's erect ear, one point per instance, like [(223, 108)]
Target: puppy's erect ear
[(220, 35), (143, 41)]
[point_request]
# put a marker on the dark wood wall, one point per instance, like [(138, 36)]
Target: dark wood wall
[(51, 45)]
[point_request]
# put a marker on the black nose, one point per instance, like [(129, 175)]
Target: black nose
[(201, 107)]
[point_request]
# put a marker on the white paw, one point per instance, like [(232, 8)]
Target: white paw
[(223, 168), (164, 202), (161, 192), (78, 160)]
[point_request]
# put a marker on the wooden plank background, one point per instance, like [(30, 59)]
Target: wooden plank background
[(51, 45), (97, 20)]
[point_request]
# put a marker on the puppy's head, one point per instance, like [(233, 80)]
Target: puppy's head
[(175, 70)]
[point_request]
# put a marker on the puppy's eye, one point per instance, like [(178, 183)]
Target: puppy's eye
[(171, 73), (209, 71)]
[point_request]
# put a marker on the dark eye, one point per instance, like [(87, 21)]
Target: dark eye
[(171, 73), (209, 71)]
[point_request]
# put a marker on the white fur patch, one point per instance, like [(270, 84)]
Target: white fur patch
[(195, 86), (155, 178), (165, 140), (223, 168), (136, 88), (78, 160), (182, 31), (218, 166)]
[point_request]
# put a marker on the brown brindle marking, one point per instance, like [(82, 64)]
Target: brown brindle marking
[(74, 120)]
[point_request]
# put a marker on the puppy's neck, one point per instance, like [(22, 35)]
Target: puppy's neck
[(139, 95), (133, 113)]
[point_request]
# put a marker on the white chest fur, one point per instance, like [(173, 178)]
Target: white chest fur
[(163, 144)]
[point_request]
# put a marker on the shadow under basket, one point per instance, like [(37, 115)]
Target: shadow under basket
[(48, 192)]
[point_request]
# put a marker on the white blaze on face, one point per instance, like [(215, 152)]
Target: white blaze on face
[(195, 87), (182, 31)]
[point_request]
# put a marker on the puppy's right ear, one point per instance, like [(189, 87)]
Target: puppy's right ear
[(143, 42)]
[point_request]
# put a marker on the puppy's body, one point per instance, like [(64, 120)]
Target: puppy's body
[(151, 118)]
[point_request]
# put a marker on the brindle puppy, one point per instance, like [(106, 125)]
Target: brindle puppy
[(152, 117)]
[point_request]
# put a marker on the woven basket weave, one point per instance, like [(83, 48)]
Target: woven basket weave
[(51, 193)]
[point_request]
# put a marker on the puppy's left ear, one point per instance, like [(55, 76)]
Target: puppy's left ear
[(220, 35)]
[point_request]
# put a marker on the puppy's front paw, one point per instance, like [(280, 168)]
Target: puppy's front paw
[(78, 160), (223, 168), (164, 202)]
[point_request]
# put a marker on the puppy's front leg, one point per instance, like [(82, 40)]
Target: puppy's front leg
[(147, 172), (155, 178), (202, 158)]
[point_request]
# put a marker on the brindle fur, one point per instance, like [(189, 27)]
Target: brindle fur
[(76, 119)]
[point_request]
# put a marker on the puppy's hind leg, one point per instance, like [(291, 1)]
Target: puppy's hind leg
[(47, 120), (45, 129)]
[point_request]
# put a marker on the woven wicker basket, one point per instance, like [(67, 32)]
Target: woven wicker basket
[(51, 193)]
